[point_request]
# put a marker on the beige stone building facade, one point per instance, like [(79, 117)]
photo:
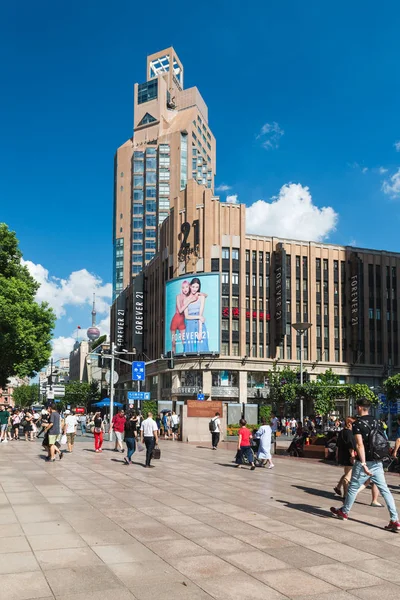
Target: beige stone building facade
[(171, 143), (349, 295)]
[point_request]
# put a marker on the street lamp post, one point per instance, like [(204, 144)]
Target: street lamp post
[(301, 328)]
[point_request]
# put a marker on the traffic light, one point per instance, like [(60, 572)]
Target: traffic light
[(170, 360)]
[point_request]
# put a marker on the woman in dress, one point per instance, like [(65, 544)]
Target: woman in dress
[(196, 335), (178, 320), (264, 434)]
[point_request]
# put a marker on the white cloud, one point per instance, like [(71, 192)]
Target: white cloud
[(391, 186), (291, 214), (270, 134), (397, 146), (76, 290), (364, 170), (223, 188), (233, 199), (62, 346), (382, 170), (352, 242)]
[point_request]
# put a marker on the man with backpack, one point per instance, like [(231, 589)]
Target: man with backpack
[(215, 430), (371, 448)]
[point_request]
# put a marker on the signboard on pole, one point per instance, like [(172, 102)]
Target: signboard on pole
[(138, 396), (138, 370)]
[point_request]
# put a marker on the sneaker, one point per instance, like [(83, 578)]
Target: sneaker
[(61, 455), (126, 461), (393, 526), (271, 466), (5, 441), (337, 512)]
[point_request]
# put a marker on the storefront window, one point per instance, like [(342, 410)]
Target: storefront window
[(192, 379), (225, 378)]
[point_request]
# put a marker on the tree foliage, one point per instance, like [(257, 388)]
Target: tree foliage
[(26, 395), (322, 393), (392, 387), (100, 340), (81, 394), (25, 325)]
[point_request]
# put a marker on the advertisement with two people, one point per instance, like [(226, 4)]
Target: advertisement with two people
[(192, 319)]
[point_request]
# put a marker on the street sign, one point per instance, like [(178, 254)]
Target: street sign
[(50, 394), (138, 371), (200, 396), (138, 395), (393, 408), (115, 377)]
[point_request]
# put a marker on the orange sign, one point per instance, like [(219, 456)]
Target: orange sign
[(199, 408)]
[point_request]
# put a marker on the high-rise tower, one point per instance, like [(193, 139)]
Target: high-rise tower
[(171, 144)]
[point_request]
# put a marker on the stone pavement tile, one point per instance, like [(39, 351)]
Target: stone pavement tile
[(199, 567), (26, 498), (255, 561), (56, 541), (272, 525), (26, 586), (386, 591), (152, 533), (17, 562), (374, 547), (344, 576), (302, 538), (223, 545), (115, 594), (154, 571), (238, 587), (124, 553), (7, 516), (178, 590), (385, 569), (263, 540), (175, 548), (299, 557), (85, 525), (13, 544), (102, 538), (81, 581), (36, 513), (192, 532), (47, 528), (341, 552), (336, 595), (293, 583), (63, 558), (10, 530)]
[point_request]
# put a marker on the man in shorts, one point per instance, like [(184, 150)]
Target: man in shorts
[(4, 417), (54, 429), (70, 423), (118, 425)]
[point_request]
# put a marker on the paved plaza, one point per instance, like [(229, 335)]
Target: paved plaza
[(194, 527)]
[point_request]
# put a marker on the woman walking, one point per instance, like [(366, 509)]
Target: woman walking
[(28, 429), (98, 432), (15, 423), (244, 448), (130, 437), (264, 434)]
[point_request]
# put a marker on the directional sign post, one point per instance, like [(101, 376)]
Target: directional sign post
[(138, 395), (138, 371)]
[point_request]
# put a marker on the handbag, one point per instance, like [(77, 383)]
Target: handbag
[(63, 439), (156, 453)]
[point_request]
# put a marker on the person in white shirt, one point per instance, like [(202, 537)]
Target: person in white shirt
[(216, 430), (149, 435), (70, 423), (174, 425)]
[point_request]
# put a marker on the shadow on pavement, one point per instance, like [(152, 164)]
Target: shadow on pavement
[(316, 491)]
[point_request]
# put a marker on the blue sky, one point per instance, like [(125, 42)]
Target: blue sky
[(325, 74)]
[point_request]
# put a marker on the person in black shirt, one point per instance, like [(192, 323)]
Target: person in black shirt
[(366, 467), (345, 451), (130, 436)]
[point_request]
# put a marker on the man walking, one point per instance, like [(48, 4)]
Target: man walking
[(367, 467), (118, 425), (215, 429), (149, 435), (54, 430), (70, 424), (4, 417)]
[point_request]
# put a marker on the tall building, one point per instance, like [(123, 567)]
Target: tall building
[(255, 288), (171, 143)]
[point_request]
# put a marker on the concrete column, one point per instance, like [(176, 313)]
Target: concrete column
[(207, 381), (243, 386)]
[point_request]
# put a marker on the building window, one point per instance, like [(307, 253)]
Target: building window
[(151, 177), (225, 252), (138, 195), (235, 325), (297, 262), (147, 91), (371, 313), (225, 301), (337, 358), (137, 223), (121, 189), (163, 189), (225, 277), (151, 163), (325, 310), (378, 314), (163, 174), (235, 278), (325, 264), (235, 301), (318, 287), (247, 255), (318, 263), (225, 324), (151, 192), (235, 254), (184, 160), (138, 181), (235, 349), (138, 209), (150, 221)]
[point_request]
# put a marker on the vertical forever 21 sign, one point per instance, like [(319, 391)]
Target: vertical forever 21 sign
[(280, 294), (355, 298), (120, 322), (138, 313)]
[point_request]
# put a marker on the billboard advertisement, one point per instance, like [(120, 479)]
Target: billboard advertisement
[(192, 314)]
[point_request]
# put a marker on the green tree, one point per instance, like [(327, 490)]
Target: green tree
[(25, 325), (392, 387), (26, 395), (149, 406), (81, 394), (100, 340)]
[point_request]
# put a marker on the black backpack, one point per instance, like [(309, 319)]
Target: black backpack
[(212, 426), (378, 447)]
